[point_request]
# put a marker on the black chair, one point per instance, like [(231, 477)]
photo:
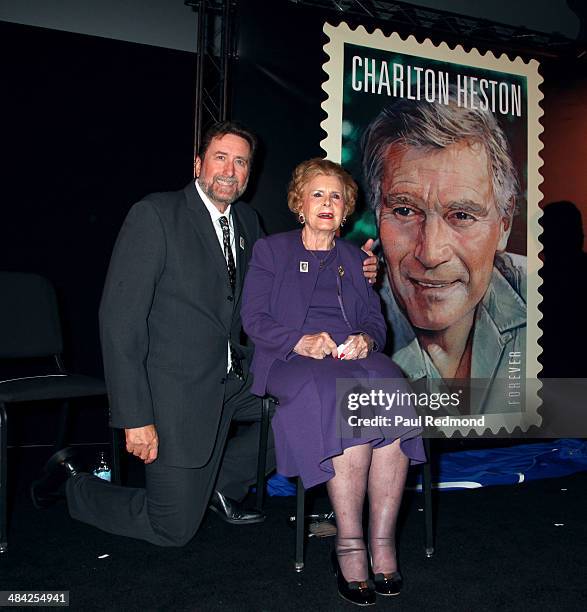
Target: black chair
[(262, 459), (30, 350), (300, 517)]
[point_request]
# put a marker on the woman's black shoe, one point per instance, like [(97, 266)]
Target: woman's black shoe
[(388, 584), (359, 593)]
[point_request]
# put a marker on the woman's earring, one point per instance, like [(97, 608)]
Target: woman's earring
[(301, 218), (343, 221)]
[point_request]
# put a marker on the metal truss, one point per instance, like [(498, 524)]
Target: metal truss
[(215, 50), (216, 44), (442, 25)]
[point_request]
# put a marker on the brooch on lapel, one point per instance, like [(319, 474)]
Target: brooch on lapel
[(242, 243), (340, 271), (303, 266)]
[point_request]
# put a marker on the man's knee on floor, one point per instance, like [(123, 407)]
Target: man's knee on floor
[(175, 527), (174, 533)]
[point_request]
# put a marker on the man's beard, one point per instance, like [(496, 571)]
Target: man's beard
[(208, 189)]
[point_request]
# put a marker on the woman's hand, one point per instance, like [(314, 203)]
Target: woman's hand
[(316, 346), (357, 347)]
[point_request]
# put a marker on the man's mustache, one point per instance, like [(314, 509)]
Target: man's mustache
[(227, 179)]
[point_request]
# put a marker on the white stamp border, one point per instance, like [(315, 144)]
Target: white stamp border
[(332, 145)]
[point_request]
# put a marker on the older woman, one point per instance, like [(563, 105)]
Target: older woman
[(305, 297)]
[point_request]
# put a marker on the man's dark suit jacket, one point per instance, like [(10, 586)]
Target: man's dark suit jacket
[(166, 315)]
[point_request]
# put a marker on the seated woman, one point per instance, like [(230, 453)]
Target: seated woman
[(304, 296)]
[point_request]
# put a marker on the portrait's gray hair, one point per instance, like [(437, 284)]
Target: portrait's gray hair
[(435, 126)]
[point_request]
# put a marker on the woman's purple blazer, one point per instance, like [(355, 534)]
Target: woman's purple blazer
[(277, 295)]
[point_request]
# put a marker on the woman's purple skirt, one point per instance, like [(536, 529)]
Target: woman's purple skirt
[(310, 428)]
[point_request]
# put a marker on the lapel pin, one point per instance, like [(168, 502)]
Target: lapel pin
[(303, 266), (242, 243), (340, 271)]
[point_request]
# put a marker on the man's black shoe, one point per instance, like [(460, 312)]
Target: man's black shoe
[(48, 489), (232, 512)]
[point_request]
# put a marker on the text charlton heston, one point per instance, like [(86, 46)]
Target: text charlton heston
[(378, 77)]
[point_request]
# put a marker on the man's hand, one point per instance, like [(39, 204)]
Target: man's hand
[(316, 346), (357, 347), (142, 442), (370, 264)]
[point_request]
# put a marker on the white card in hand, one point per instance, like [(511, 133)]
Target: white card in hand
[(340, 349)]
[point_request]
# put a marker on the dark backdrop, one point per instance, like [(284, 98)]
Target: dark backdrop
[(277, 92), (90, 125)]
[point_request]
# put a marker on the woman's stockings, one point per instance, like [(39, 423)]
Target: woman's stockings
[(347, 495), (387, 478)]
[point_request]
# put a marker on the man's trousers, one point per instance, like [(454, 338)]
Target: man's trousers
[(169, 510)]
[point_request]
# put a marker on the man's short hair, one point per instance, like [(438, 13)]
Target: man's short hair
[(218, 130), (435, 126)]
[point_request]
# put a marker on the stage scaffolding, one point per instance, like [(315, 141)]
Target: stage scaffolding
[(215, 49), (216, 40)]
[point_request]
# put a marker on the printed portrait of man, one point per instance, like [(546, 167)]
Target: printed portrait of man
[(444, 189)]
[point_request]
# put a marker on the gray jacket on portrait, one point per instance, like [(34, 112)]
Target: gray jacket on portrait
[(500, 329)]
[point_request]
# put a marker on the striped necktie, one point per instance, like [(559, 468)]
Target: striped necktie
[(228, 252), (235, 363)]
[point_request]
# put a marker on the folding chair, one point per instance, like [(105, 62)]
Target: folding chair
[(300, 516), (30, 330)]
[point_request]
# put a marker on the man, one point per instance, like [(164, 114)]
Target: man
[(177, 369), (443, 186)]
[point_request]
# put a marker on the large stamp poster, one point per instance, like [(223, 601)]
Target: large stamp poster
[(445, 145)]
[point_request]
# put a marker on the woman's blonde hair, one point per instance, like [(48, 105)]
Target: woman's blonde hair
[(307, 170)]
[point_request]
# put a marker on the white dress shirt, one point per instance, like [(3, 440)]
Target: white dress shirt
[(215, 215)]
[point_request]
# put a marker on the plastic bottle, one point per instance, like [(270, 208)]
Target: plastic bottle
[(102, 469)]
